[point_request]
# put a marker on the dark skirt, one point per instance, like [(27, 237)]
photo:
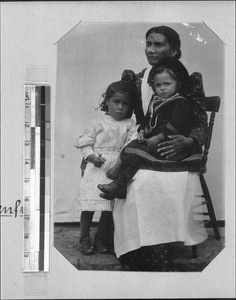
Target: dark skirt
[(142, 156), (158, 258)]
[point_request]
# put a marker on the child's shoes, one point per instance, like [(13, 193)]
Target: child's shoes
[(104, 196), (101, 247), (112, 190)]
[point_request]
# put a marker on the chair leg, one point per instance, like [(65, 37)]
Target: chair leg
[(210, 206), (194, 251)]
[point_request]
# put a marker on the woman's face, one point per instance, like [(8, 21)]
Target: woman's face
[(118, 105), (157, 47)]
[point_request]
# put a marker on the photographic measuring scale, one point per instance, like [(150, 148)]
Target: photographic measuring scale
[(36, 181)]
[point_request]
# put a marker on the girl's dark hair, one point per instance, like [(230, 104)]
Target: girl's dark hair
[(176, 69), (172, 37), (126, 85)]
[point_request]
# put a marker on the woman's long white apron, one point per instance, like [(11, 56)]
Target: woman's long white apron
[(158, 209)]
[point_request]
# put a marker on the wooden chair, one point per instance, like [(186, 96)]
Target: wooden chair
[(212, 106)]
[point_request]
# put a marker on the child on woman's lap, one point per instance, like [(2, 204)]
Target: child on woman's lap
[(168, 114), (100, 145)]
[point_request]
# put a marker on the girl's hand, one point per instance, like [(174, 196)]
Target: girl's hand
[(154, 140), (141, 138), (140, 135), (97, 161), (176, 144)]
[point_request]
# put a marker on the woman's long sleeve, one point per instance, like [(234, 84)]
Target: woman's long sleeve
[(137, 79), (199, 123)]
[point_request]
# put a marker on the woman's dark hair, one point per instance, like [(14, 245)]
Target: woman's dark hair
[(172, 37), (176, 69), (126, 85)]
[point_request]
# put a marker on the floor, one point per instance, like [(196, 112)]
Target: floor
[(66, 241)]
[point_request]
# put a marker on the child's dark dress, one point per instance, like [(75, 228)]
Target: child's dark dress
[(168, 116)]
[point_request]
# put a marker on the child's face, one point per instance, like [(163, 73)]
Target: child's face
[(165, 86), (118, 105)]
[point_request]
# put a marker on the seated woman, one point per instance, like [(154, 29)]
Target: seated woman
[(168, 113), (157, 211)]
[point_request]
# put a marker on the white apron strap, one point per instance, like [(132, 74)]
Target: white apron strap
[(146, 89)]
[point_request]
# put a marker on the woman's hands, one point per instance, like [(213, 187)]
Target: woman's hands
[(176, 144), (97, 161)]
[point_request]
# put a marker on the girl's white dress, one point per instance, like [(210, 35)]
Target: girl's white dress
[(105, 136)]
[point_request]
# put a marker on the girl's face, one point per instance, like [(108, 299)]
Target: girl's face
[(118, 105), (157, 47), (164, 85)]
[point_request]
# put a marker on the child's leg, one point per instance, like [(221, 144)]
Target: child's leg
[(85, 224), (131, 159), (104, 235), (133, 153), (118, 187)]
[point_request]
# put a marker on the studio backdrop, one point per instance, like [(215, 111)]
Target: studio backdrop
[(93, 55)]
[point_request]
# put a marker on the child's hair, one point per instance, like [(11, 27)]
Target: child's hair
[(122, 86), (176, 70)]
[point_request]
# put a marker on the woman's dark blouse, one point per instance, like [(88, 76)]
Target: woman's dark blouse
[(197, 108), (156, 256)]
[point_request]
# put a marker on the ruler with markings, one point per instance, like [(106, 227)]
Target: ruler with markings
[(36, 181)]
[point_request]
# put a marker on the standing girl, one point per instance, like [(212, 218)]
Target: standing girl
[(100, 145)]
